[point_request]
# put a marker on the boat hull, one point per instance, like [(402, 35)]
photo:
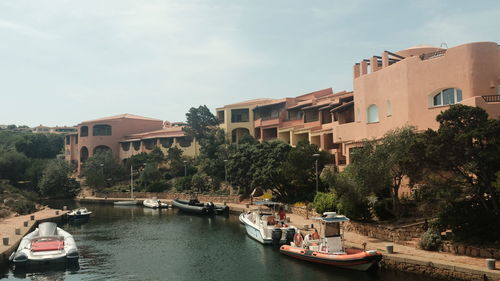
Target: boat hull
[(125, 203), (184, 206), (355, 259)]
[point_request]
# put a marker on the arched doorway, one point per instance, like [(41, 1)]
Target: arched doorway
[(84, 154)]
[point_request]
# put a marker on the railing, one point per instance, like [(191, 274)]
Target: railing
[(492, 98), (435, 54)]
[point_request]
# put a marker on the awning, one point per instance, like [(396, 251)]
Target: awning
[(343, 107)]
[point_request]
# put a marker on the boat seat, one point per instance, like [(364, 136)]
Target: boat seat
[(41, 246)]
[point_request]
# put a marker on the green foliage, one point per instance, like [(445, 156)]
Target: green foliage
[(158, 186), (40, 145), (382, 208), (182, 183), (149, 175), (109, 173), (325, 202), (430, 240), (16, 200), (201, 182), (34, 171), (12, 165), (470, 222), (200, 122), (55, 181)]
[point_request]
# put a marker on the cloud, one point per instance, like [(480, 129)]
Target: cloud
[(18, 28)]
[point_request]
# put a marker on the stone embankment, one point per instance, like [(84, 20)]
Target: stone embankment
[(13, 229)]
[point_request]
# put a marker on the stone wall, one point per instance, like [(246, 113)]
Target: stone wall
[(302, 211), (386, 232), (472, 251), (434, 270), (171, 196)]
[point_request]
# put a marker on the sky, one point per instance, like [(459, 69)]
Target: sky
[(64, 61)]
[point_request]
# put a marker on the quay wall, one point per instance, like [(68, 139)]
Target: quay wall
[(388, 233), (471, 250), (171, 196)]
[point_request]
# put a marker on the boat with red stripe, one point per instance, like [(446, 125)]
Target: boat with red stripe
[(326, 246)]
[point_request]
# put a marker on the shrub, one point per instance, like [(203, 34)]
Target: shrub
[(158, 186), (22, 207), (430, 240), (183, 183), (325, 202), (4, 213), (381, 209)]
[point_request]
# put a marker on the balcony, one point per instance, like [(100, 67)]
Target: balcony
[(491, 98)]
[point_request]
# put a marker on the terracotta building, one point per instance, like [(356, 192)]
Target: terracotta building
[(409, 87), (125, 135)]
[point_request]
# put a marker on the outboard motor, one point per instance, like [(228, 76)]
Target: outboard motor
[(290, 233), (210, 207), (276, 236)]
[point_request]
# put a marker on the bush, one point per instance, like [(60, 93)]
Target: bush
[(471, 222), (325, 202), (22, 207), (381, 209), (182, 184), (430, 240), (158, 186)]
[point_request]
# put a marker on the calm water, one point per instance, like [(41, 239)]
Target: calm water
[(132, 243)]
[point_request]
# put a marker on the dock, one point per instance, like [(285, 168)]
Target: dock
[(15, 228)]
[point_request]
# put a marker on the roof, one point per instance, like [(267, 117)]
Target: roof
[(249, 102), (163, 133), (274, 102), (122, 116), (316, 94)]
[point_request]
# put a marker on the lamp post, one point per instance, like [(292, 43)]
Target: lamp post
[(316, 156), (225, 170), (102, 169), (185, 168)]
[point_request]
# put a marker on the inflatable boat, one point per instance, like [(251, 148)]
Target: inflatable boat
[(197, 207), (154, 203), (47, 243), (80, 213), (326, 247)]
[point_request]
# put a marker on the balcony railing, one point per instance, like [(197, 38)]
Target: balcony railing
[(432, 55), (492, 98)]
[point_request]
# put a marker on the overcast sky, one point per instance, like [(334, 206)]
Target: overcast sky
[(63, 62)]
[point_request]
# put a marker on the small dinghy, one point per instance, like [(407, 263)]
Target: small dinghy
[(80, 213), (47, 243), (196, 207), (154, 204), (326, 247), (125, 203)]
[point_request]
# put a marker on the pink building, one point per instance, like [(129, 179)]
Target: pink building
[(412, 86)]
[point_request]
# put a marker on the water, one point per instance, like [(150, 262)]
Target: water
[(132, 243)]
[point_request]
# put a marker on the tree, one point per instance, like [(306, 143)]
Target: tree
[(55, 181), (40, 145), (149, 175), (12, 165), (34, 172), (200, 122), (103, 169), (466, 151)]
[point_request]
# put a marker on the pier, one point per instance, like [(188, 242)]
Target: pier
[(15, 228)]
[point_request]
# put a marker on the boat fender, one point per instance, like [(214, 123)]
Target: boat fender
[(298, 239)]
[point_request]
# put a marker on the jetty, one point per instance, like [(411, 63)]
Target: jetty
[(13, 229)]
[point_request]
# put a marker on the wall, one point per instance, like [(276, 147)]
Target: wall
[(386, 232), (171, 196)]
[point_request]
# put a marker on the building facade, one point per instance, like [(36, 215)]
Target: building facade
[(125, 135), (409, 87)]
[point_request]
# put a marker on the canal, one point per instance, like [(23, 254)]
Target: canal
[(134, 243)]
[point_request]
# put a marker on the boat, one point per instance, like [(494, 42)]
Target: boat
[(197, 207), (47, 243), (126, 203), (262, 225), (154, 203), (326, 247), (80, 213)]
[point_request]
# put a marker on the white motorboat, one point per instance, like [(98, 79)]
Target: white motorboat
[(263, 226), (126, 203), (154, 203), (80, 213), (47, 243)]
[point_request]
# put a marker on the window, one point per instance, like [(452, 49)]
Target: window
[(102, 130), (239, 115), (84, 131), (220, 116), (136, 145), (372, 114), (149, 143), (295, 115), (166, 142), (67, 139), (447, 96), (125, 146), (311, 116), (183, 141), (388, 108)]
